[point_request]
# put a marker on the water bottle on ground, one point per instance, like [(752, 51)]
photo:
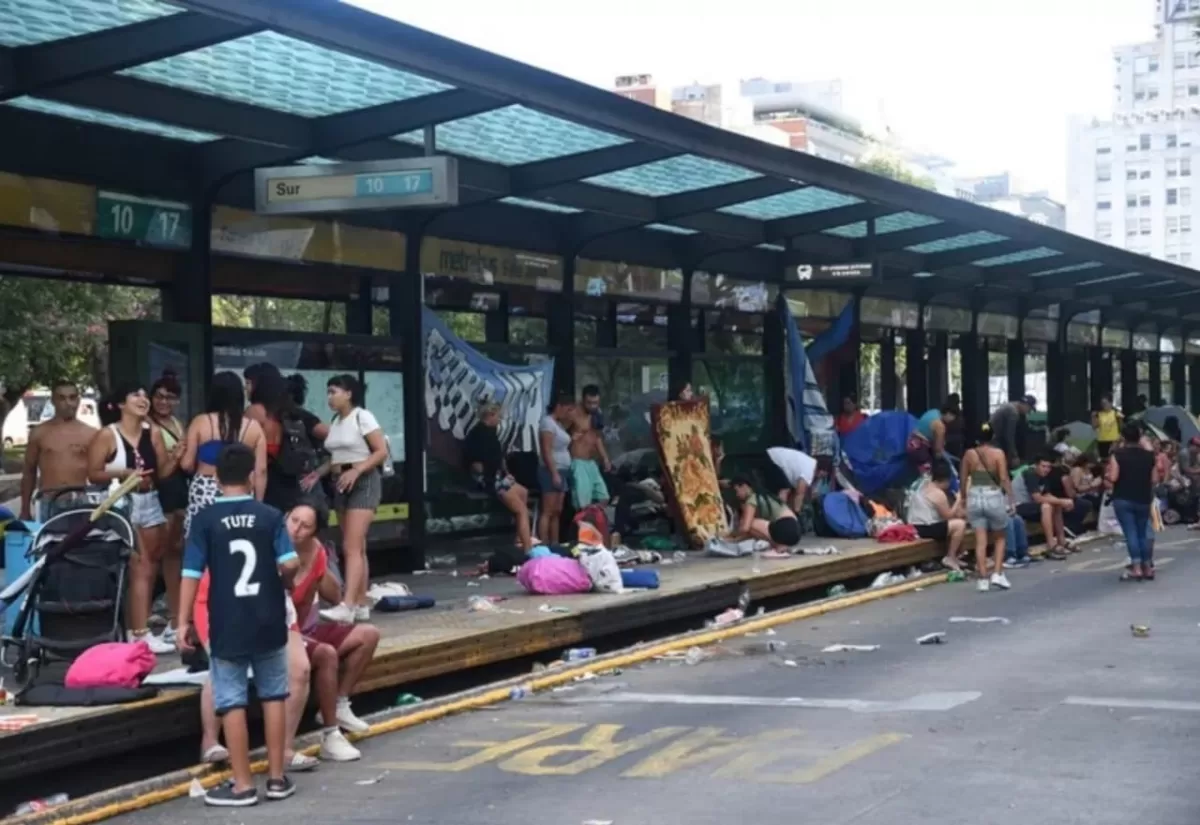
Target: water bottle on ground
[(578, 654), (36, 806)]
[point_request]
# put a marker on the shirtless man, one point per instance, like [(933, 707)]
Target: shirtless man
[(57, 454), (587, 483)]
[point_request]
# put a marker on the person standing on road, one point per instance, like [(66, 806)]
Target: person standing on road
[(988, 492), (1107, 422), (1006, 424), (56, 456), (1131, 476)]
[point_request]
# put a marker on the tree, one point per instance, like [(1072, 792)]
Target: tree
[(289, 314), (59, 329), (891, 167)]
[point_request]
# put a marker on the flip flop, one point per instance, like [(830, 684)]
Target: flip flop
[(215, 754)]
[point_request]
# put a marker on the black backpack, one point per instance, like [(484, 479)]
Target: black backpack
[(297, 456)]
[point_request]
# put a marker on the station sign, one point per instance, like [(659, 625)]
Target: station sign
[(847, 273), (355, 187), (143, 220)]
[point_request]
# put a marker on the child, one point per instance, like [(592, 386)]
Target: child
[(764, 517), (244, 546), (587, 484)]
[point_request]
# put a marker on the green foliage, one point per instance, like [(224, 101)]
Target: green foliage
[(52, 329), (890, 167), (289, 314)]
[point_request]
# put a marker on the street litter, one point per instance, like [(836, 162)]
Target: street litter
[(196, 790), (597, 822), (836, 590), (763, 648), (1140, 631), (932, 638), (978, 620), (850, 648), (553, 608), (788, 663), (885, 579), (375, 780), (726, 617)]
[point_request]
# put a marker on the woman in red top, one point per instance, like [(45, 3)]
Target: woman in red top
[(332, 647), (851, 417)]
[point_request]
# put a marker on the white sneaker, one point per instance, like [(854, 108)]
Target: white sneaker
[(1000, 580), (170, 635), (336, 748), (346, 718), (158, 644), (982, 586), (339, 614), (362, 613)]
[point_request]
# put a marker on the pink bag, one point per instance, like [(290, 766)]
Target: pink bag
[(554, 576), (112, 664)]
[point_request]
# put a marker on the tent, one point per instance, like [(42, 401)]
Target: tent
[(1081, 435), (877, 450), (1187, 423)]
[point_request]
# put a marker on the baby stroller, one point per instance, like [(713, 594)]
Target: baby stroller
[(74, 593)]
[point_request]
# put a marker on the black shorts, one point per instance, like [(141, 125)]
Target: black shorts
[(1103, 448), (937, 531), (785, 531), (774, 478), (173, 493), (1030, 511)]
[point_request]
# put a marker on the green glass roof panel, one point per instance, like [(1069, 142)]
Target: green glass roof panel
[(277, 72), (1124, 276), (526, 203), (788, 204), (674, 230), (1018, 257), (1064, 269), (515, 135), (956, 242), (30, 22), (897, 222), (683, 173), (133, 124)]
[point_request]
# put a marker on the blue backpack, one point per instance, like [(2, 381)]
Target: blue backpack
[(844, 516)]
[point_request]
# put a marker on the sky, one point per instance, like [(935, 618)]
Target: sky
[(987, 84)]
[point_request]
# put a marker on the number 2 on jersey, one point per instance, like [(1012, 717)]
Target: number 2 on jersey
[(243, 587)]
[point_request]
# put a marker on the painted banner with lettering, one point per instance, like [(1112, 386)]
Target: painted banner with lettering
[(458, 378)]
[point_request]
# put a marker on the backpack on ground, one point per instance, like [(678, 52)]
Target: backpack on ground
[(297, 456), (844, 517)]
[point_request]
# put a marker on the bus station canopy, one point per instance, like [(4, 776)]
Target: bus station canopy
[(184, 100)]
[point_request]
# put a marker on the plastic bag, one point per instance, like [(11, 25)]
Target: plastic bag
[(603, 570), (1107, 523)]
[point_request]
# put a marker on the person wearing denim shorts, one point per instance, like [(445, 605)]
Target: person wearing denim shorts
[(988, 490), (245, 549)]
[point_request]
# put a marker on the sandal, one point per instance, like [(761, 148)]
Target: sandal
[(215, 755), (1148, 574), (1058, 554), (952, 564), (302, 763), (1133, 573)]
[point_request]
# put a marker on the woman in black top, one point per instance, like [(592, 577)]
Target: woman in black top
[(1131, 476), (484, 456)]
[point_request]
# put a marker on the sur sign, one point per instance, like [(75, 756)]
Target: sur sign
[(353, 187), (155, 223), (834, 273)]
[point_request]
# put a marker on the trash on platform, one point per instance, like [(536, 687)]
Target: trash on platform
[(932, 638), (850, 648), (836, 590), (726, 617), (553, 608), (374, 780), (763, 648), (1139, 631), (405, 699), (787, 663), (886, 579), (979, 620), (481, 604), (956, 576), (597, 822), (196, 790)]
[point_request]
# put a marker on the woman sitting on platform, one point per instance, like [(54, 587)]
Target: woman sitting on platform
[(484, 456)]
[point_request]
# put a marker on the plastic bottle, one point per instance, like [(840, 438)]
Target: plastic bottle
[(35, 806), (836, 590), (519, 692), (578, 654), (694, 656), (955, 576)]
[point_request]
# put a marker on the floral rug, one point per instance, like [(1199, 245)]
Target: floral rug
[(681, 430)]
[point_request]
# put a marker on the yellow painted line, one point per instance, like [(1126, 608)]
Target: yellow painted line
[(500, 694)]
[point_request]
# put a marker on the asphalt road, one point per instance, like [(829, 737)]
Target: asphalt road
[(1059, 716)]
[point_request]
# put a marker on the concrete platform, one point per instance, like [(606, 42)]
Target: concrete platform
[(451, 638)]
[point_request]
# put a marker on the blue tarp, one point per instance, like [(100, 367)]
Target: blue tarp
[(876, 450)]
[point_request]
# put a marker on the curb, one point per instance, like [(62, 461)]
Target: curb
[(147, 793)]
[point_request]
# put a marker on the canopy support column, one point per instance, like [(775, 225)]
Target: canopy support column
[(1154, 394), (1179, 380), (887, 371), (1193, 368), (189, 298), (1129, 382), (560, 329), (1101, 375), (406, 302), (681, 336)]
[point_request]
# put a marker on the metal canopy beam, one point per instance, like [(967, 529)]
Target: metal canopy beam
[(328, 135), (104, 52)]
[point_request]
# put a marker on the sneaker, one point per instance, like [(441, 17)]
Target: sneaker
[(170, 635), (302, 763), (280, 788), (1017, 564), (340, 614), (1000, 580), (158, 644), (335, 747), (225, 796), (346, 718), (362, 613), (982, 586)]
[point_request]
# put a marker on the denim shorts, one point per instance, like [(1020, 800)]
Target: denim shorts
[(987, 508), (231, 679), (546, 481), (147, 510)]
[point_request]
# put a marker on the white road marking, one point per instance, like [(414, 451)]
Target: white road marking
[(920, 702), (1140, 704)]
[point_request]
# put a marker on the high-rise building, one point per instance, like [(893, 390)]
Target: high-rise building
[(1129, 178)]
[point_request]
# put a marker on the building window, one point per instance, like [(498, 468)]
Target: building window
[(1102, 206), (1185, 197), (1131, 227), (1172, 168), (1172, 226), (1104, 231), (1144, 226), (1131, 201), (1103, 173), (1180, 60), (1172, 197), (1103, 146), (1144, 200), (1140, 94), (1144, 140), (1185, 167), (1144, 174), (1180, 90), (1185, 224), (1172, 141), (1131, 174)]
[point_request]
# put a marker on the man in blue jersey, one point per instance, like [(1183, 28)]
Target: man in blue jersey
[(244, 547)]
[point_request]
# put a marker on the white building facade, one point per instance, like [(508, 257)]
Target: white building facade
[(1132, 180)]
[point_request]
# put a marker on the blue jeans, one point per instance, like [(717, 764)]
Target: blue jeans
[(230, 679), (1134, 518), (1016, 539)]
